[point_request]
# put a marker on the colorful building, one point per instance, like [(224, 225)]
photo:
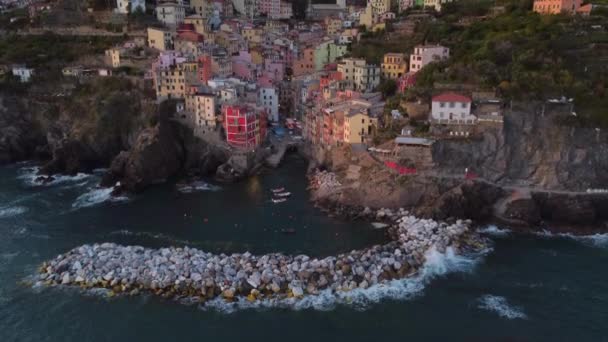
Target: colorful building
[(202, 106), (245, 126), (160, 39), (394, 65), (556, 6)]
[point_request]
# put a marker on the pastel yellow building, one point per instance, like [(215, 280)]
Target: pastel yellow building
[(202, 107), (160, 39), (357, 126), (394, 65), (171, 83), (333, 26), (252, 35), (113, 57)]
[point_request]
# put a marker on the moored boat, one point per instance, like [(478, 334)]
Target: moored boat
[(278, 200), (277, 190), (283, 194)]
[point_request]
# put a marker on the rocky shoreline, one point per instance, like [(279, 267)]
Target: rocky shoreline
[(178, 273)]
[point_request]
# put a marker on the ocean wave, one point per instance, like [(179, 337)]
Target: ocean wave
[(30, 176), (97, 196), (437, 265), (12, 211), (594, 240), (197, 186), (494, 231), (500, 306)]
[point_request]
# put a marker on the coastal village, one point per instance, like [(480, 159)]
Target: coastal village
[(240, 71), (381, 94)]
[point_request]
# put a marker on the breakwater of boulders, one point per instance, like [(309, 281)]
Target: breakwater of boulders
[(183, 272)]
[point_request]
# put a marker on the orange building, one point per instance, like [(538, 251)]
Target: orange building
[(556, 6)]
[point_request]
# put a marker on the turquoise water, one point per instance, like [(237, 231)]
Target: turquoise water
[(528, 288)]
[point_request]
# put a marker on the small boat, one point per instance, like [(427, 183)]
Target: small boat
[(278, 200), (288, 231), (278, 190), (283, 194)]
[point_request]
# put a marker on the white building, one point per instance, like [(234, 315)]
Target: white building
[(404, 4), (358, 74), (122, 6), (269, 99), (367, 77), (452, 108), (171, 14), (436, 4), (425, 54), (24, 74)]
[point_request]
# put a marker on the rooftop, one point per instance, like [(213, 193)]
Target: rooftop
[(451, 97)]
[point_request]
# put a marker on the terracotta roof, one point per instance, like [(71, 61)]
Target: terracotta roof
[(451, 97)]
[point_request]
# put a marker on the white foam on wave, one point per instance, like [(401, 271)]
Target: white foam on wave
[(494, 231), (30, 175), (594, 240), (500, 306), (12, 211), (437, 265), (197, 186), (97, 196)]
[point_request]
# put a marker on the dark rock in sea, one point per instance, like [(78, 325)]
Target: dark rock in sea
[(155, 156)]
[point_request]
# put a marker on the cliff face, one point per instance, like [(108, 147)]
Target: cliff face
[(531, 171), (74, 133), (532, 150), (108, 122)]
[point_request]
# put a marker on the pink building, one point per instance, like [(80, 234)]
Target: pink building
[(274, 69), (556, 6), (242, 66), (406, 81)]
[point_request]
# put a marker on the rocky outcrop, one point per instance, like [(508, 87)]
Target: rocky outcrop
[(155, 156), (188, 272), (532, 148), (21, 136)]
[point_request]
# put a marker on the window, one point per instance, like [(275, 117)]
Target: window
[(464, 105), (442, 104), (452, 104)]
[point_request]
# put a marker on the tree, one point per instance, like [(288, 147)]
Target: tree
[(387, 88)]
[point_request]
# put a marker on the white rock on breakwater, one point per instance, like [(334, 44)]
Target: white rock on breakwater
[(188, 272)]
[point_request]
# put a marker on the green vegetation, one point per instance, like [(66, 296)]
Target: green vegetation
[(523, 55), (50, 49)]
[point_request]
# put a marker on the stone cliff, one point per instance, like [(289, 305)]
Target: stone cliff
[(531, 171)]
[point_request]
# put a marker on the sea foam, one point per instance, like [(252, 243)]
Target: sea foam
[(437, 265), (500, 306), (97, 196), (197, 186), (12, 211), (494, 231), (30, 175)]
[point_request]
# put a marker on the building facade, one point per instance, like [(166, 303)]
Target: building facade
[(451, 108), (394, 65), (160, 39), (425, 54), (245, 126), (268, 98), (171, 14), (556, 6), (202, 107)]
